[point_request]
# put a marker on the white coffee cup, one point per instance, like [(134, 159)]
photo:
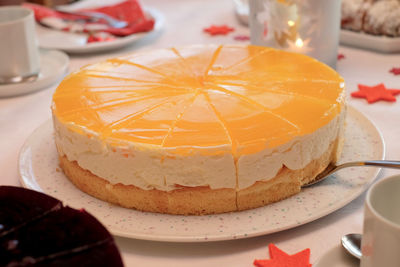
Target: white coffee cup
[(19, 51), (380, 243), (308, 27)]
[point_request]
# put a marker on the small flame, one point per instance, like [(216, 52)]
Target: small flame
[(299, 42), (291, 23)]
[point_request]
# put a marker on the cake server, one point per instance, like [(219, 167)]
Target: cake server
[(369, 163)]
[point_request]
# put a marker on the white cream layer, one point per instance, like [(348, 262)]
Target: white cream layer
[(149, 167)]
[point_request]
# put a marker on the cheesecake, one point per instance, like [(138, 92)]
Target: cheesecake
[(198, 129)]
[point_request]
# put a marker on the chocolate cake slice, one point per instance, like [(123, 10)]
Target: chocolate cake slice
[(35, 229), (19, 206)]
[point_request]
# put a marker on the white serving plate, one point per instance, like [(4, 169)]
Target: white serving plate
[(38, 167)]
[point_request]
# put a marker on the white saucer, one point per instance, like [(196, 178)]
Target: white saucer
[(53, 66), (337, 257), (75, 43)]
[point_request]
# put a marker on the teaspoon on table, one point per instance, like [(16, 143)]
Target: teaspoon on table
[(352, 244), (369, 163), (113, 22)]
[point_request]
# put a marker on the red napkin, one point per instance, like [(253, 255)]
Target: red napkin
[(129, 11)]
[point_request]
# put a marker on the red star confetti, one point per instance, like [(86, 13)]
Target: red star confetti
[(241, 37), (281, 259), (341, 56), (376, 93), (218, 30), (395, 71)]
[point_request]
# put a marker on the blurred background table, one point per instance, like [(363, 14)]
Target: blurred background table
[(184, 23)]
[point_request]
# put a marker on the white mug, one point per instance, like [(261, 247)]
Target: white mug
[(308, 27), (19, 51), (380, 243)]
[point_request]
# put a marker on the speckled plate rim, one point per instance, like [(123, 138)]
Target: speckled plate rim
[(235, 225)]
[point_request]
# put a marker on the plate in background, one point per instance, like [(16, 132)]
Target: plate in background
[(368, 41), (75, 43)]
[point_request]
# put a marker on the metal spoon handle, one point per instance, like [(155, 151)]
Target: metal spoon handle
[(384, 163), (97, 15), (377, 163)]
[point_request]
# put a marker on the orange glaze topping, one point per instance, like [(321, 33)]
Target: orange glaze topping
[(246, 97)]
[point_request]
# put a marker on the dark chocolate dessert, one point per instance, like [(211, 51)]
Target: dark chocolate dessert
[(36, 229)]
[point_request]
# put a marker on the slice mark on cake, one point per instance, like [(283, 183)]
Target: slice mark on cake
[(131, 63), (252, 102), (179, 116), (199, 122), (225, 59), (288, 87), (249, 125), (151, 125), (212, 61)]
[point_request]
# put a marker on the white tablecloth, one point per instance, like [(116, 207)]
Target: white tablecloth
[(184, 23)]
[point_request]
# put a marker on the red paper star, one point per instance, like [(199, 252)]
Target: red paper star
[(241, 37), (280, 259), (341, 56), (395, 71), (218, 30), (376, 93)]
